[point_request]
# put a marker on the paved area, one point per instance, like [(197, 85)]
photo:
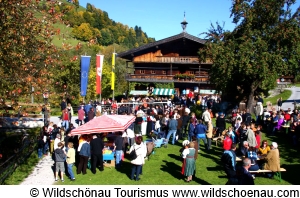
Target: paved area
[(289, 103)]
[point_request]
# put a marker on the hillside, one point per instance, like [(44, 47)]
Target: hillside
[(93, 25)]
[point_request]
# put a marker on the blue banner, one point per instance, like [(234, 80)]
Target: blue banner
[(85, 67)]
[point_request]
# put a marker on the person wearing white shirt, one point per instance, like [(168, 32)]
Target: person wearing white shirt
[(130, 136), (56, 141), (206, 116)]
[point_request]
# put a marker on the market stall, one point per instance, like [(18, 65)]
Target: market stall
[(106, 124)]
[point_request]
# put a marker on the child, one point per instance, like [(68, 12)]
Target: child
[(71, 160), (60, 157)]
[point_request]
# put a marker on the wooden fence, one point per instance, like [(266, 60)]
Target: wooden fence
[(27, 146)]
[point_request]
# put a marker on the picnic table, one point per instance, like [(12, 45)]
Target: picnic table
[(286, 128), (240, 158)]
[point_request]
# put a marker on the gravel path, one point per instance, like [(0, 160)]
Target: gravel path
[(42, 174)]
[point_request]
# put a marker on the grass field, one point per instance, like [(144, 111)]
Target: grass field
[(285, 95), (64, 36), (164, 168)]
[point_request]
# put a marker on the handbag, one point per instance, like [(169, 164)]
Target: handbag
[(132, 155)]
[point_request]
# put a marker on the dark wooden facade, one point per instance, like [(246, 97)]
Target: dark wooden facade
[(164, 60)]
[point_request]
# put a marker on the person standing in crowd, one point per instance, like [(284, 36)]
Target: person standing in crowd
[(96, 146), (200, 133), (191, 130), (179, 127), (220, 124), (87, 108), (56, 141), (65, 118), (209, 134), (71, 112), (63, 105), (227, 142), (84, 154), (91, 114), (139, 161), (228, 160), (81, 115), (40, 145), (279, 103), (185, 122), (206, 116), (118, 147), (172, 129), (189, 163), (60, 157), (138, 124), (251, 137), (71, 160)]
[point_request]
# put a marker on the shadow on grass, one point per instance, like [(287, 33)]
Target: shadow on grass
[(173, 169), (289, 175), (125, 169), (176, 157)]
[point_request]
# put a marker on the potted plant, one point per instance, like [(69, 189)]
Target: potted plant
[(177, 76)]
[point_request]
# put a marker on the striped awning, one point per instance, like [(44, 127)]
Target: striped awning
[(163, 92)]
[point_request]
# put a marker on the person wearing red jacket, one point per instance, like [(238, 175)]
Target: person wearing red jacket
[(227, 142)]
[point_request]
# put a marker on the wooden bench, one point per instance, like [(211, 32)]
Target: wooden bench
[(220, 139), (277, 174)]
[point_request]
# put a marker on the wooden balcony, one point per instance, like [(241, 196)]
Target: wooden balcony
[(165, 78), (177, 60)]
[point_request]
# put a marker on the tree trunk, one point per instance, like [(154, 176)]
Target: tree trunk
[(251, 98)]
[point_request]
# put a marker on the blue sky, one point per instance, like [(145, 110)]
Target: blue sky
[(161, 18)]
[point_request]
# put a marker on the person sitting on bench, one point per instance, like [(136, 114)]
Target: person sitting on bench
[(272, 160)]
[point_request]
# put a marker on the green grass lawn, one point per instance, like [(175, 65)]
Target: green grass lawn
[(64, 36), (285, 95), (164, 166)]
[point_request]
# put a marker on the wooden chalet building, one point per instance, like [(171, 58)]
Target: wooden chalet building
[(170, 60)]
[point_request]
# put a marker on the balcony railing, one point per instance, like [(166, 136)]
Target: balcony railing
[(177, 59), (165, 78)]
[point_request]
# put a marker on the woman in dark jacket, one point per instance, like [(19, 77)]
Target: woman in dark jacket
[(85, 154)]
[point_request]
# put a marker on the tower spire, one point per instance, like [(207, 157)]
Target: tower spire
[(184, 23)]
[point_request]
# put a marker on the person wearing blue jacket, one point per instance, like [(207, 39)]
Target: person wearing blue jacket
[(85, 154), (200, 133), (172, 129), (191, 130)]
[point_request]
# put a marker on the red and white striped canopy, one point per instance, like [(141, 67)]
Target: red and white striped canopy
[(104, 124)]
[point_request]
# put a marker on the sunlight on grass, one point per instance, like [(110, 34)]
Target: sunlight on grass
[(285, 95)]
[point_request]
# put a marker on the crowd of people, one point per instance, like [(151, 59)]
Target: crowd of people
[(171, 121)]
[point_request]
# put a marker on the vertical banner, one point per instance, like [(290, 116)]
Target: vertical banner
[(113, 71), (99, 66), (85, 66)]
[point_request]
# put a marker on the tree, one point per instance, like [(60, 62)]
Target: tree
[(263, 45), (26, 53), (83, 32)]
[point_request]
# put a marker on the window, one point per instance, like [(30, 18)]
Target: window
[(191, 72), (142, 71), (164, 72), (153, 72)]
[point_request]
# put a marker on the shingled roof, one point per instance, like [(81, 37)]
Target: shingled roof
[(163, 41)]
